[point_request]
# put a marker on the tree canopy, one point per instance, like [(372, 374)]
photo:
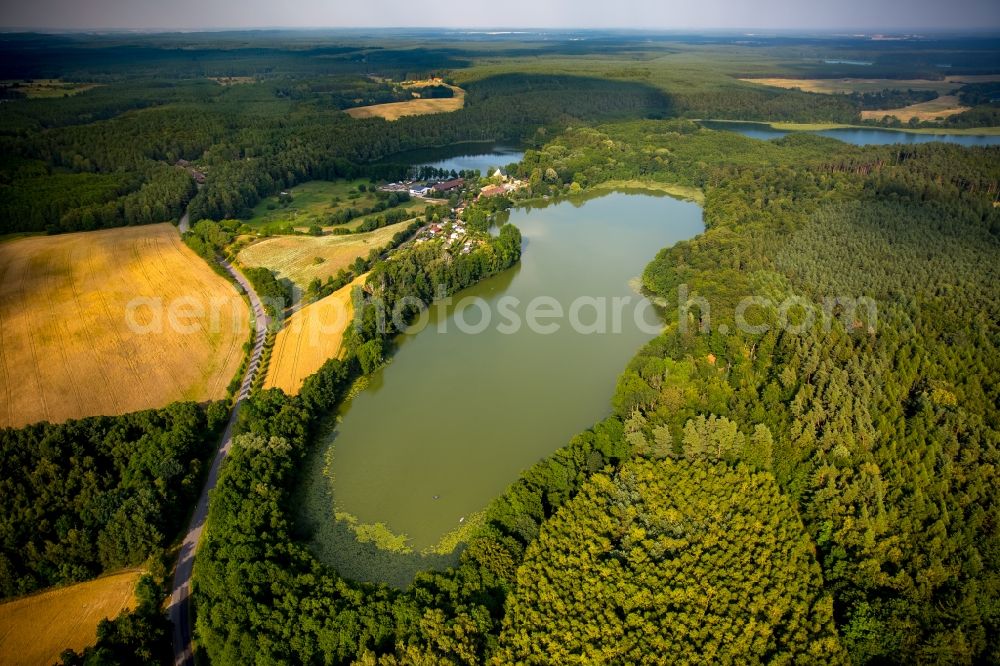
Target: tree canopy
[(671, 562)]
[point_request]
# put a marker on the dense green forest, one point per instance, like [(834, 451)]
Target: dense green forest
[(885, 431), (97, 494), (892, 98), (253, 140), (274, 296), (808, 478), (671, 562), (423, 273), (113, 148), (874, 439)]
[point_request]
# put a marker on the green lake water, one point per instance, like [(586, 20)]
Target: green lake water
[(456, 416)]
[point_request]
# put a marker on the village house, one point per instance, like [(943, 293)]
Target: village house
[(196, 174), (448, 185), (493, 191)]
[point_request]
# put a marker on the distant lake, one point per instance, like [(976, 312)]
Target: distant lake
[(858, 137), (456, 415), (484, 156)]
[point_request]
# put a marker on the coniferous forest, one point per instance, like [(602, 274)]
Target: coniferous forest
[(879, 436), (807, 476)]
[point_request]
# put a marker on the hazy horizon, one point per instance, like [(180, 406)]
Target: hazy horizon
[(715, 15)]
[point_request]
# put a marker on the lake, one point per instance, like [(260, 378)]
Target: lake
[(457, 416), (859, 137), (484, 156)]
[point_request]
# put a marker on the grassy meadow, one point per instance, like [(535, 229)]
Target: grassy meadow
[(301, 259), (312, 203)]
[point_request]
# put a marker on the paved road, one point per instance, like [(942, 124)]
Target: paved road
[(185, 224), (180, 597)]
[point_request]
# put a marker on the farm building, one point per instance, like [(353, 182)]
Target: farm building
[(449, 185), (493, 191)]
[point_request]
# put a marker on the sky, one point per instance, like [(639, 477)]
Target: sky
[(858, 15)]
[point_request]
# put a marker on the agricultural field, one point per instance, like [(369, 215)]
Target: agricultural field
[(48, 88), (847, 86), (312, 336), (37, 629), (935, 109), (413, 107), (233, 80), (301, 259), (946, 104), (112, 321), (312, 203)]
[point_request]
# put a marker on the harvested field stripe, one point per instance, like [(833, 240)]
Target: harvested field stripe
[(277, 353), (6, 378), (122, 349), (32, 328), (75, 383), (151, 243), (88, 331), (220, 382), (316, 333), (298, 351), (37, 629)]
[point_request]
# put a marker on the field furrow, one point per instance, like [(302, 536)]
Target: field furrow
[(36, 629), (87, 327), (311, 336)]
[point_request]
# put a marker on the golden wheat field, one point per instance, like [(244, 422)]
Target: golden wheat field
[(311, 336), (850, 85), (37, 629), (413, 107), (942, 107), (112, 321), (303, 258), (833, 86)]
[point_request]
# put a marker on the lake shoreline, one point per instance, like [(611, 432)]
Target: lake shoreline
[(819, 127), (393, 480)]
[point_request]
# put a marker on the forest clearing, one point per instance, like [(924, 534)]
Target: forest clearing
[(48, 88), (852, 85), (315, 202), (88, 325), (847, 86), (414, 107), (37, 629), (942, 107)]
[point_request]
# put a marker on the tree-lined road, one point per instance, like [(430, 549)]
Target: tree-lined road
[(180, 597)]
